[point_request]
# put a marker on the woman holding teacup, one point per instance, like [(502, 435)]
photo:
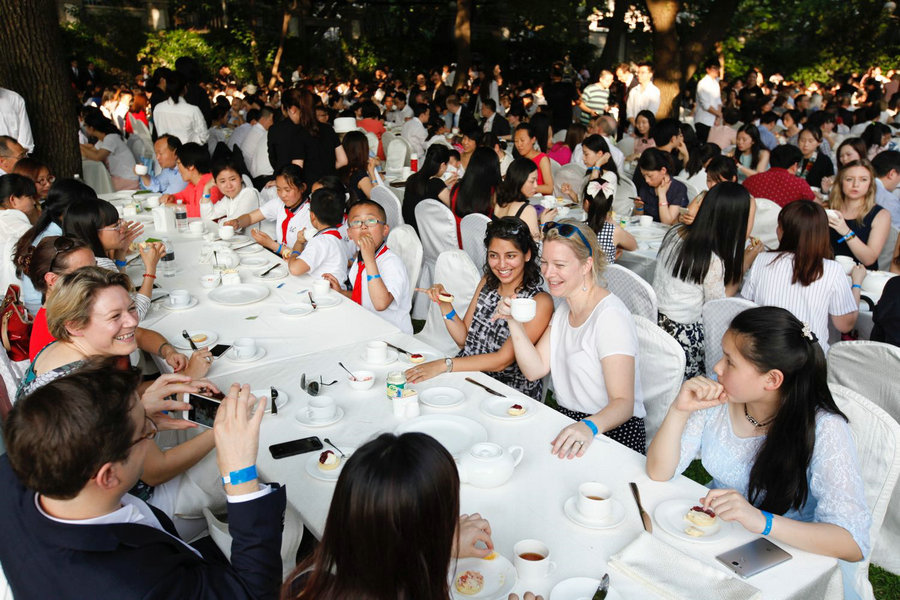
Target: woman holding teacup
[(590, 348), (511, 270)]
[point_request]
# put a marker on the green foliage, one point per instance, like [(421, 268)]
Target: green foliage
[(210, 49), (885, 584), (107, 39)]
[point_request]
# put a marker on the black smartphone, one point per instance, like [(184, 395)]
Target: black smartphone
[(203, 410), (293, 447), (219, 349), (753, 557)]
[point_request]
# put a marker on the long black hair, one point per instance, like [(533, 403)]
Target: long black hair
[(770, 338), (510, 189), (478, 184), (721, 227), (515, 230), (63, 193), (596, 143), (436, 155), (84, 219)]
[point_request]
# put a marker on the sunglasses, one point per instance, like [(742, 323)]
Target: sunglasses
[(314, 387), (60, 245), (567, 231)]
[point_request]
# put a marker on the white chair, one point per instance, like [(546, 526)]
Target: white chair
[(141, 131), (637, 294), (97, 176), (887, 253), (453, 269), (389, 201), (404, 242), (877, 438), (139, 149), (626, 145), (571, 174), (870, 368), (473, 228), (386, 138), (554, 167), (397, 156), (661, 370), (373, 141), (765, 222), (623, 203), (559, 136), (717, 316), (437, 232), (5, 590), (692, 191)]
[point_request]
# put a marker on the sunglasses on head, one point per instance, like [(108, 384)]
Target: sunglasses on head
[(60, 245), (566, 230)]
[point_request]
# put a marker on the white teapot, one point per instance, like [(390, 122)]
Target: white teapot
[(488, 465)]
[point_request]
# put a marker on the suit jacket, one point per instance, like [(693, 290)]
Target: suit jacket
[(464, 120), (45, 559), (500, 126)]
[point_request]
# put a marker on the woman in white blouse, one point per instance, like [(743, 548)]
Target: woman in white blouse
[(800, 276), (590, 348), (110, 149)]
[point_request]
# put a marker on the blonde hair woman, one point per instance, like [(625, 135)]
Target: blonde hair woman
[(590, 347), (859, 227)]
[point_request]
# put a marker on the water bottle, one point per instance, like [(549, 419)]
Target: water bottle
[(181, 221), (167, 262)]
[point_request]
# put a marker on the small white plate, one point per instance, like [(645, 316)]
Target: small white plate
[(260, 352), (279, 272), (237, 239), (496, 407), (303, 418), (182, 344), (616, 516), (441, 397), (669, 515), (312, 465), (329, 301), (249, 249), (428, 356), (300, 309), (580, 588), (390, 357), (267, 392), (254, 261), (499, 577), (238, 295), (167, 304)]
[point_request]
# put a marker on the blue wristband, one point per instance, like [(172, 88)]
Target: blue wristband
[(121, 263), (241, 476), (279, 249), (591, 425), (449, 316), (855, 285), (768, 517), (371, 277)]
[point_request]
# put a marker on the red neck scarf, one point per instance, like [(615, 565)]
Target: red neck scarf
[(361, 266), (288, 215)]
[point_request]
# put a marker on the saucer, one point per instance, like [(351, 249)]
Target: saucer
[(391, 357), (617, 515), (304, 419), (254, 261), (190, 304), (260, 352), (332, 299), (235, 240), (313, 470), (267, 392), (300, 309), (441, 397), (249, 249)]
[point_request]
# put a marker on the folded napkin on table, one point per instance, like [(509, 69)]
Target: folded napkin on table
[(672, 574)]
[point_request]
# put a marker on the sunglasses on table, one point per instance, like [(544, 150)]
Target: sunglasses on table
[(567, 231)]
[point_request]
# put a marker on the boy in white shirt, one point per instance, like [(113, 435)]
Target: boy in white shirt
[(325, 252), (378, 276)]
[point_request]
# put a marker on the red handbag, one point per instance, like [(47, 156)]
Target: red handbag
[(15, 325)]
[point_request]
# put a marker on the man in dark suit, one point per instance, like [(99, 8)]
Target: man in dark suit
[(493, 123), (70, 529), (458, 116)]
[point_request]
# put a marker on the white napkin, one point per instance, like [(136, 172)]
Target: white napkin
[(674, 575)]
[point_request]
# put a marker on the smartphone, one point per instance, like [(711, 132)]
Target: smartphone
[(753, 557), (203, 410), (683, 210), (293, 447), (219, 349)]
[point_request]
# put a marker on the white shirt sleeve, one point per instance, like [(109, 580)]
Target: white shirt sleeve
[(271, 209), (199, 131)]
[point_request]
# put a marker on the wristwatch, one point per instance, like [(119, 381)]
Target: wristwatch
[(449, 363)]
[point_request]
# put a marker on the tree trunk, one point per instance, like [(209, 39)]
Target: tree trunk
[(289, 8), (705, 36), (610, 54), (667, 73), (33, 66), (254, 46), (462, 32)]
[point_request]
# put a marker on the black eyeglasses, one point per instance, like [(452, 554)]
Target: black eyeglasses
[(566, 230), (149, 433), (60, 245)]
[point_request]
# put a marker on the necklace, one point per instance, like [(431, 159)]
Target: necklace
[(753, 421)]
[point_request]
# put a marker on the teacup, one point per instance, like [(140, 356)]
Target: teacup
[(846, 262), (832, 214), (210, 280), (140, 170), (309, 233), (196, 227), (407, 171), (321, 408), (244, 347), (594, 501), (129, 210), (523, 309), (226, 232), (376, 352), (151, 202), (645, 220), (178, 298), (532, 559), (320, 289)]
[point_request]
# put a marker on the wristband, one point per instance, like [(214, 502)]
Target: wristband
[(240, 476), (850, 235), (149, 275), (295, 252), (279, 249), (768, 517), (449, 316), (594, 169), (121, 263), (663, 203), (591, 425), (161, 346), (855, 285), (371, 277)]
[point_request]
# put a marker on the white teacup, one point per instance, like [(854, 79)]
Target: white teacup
[(244, 347), (210, 280), (645, 220), (140, 170), (594, 501), (406, 406), (532, 559), (407, 171), (320, 289), (321, 408), (129, 210), (309, 233), (196, 227), (226, 232), (846, 262), (376, 352), (179, 298), (832, 214), (523, 309)]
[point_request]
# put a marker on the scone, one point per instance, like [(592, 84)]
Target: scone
[(416, 358), (445, 297), (701, 521), (198, 338), (516, 410), (470, 583), (329, 461)]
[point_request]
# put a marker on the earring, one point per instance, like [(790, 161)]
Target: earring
[(583, 284)]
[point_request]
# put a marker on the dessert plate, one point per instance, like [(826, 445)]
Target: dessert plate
[(237, 295), (499, 408), (669, 515), (499, 577), (312, 465), (182, 344), (580, 588)]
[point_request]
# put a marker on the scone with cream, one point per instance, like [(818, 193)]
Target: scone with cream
[(516, 410), (701, 521), (470, 583), (329, 461)]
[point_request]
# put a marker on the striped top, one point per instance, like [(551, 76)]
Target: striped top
[(595, 98), (769, 284)]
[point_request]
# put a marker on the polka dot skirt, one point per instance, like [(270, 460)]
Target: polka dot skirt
[(631, 433)]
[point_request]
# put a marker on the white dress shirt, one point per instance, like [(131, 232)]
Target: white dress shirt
[(183, 120), (415, 133), (14, 119), (709, 95), (254, 147), (641, 98)]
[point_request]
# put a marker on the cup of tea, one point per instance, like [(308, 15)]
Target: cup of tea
[(244, 347), (532, 559), (594, 500), (196, 227), (179, 298), (140, 170), (376, 352), (320, 289), (645, 220), (226, 232), (321, 408), (523, 309)]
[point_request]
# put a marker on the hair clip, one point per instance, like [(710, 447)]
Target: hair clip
[(808, 334)]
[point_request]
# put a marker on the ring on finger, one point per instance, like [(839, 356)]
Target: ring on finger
[(208, 359)]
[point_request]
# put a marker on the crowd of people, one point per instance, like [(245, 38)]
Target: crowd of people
[(306, 156)]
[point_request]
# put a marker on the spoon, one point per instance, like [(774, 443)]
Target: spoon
[(327, 441), (352, 376), (187, 336), (311, 300)]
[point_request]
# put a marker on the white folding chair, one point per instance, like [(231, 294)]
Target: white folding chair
[(661, 370), (870, 368), (390, 203), (142, 132), (554, 168), (623, 203), (453, 269), (97, 176), (404, 242), (692, 191), (887, 253), (472, 229), (626, 145), (373, 142), (637, 294), (559, 136), (397, 156), (877, 437), (717, 316), (139, 149), (437, 232), (765, 222), (571, 174)]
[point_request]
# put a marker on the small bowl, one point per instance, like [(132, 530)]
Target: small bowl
[(361, 384), (210, 281)]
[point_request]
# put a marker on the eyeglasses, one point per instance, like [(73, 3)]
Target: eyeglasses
[(46, 180), (60, 245), (367, 222), (566, 230), (117, 226), (149, 433)]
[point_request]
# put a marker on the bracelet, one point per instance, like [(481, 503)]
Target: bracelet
[(240, 476), (161, 346), (371, 277), (591, 425), (279, 249), (855, 285), (768, 517), (149, 275), (594, 169), (449, 316), (295, 252), (663, 203), (850, 235), (121, 263)]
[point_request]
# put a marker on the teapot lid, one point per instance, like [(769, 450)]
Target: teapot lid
[(486, 451)]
